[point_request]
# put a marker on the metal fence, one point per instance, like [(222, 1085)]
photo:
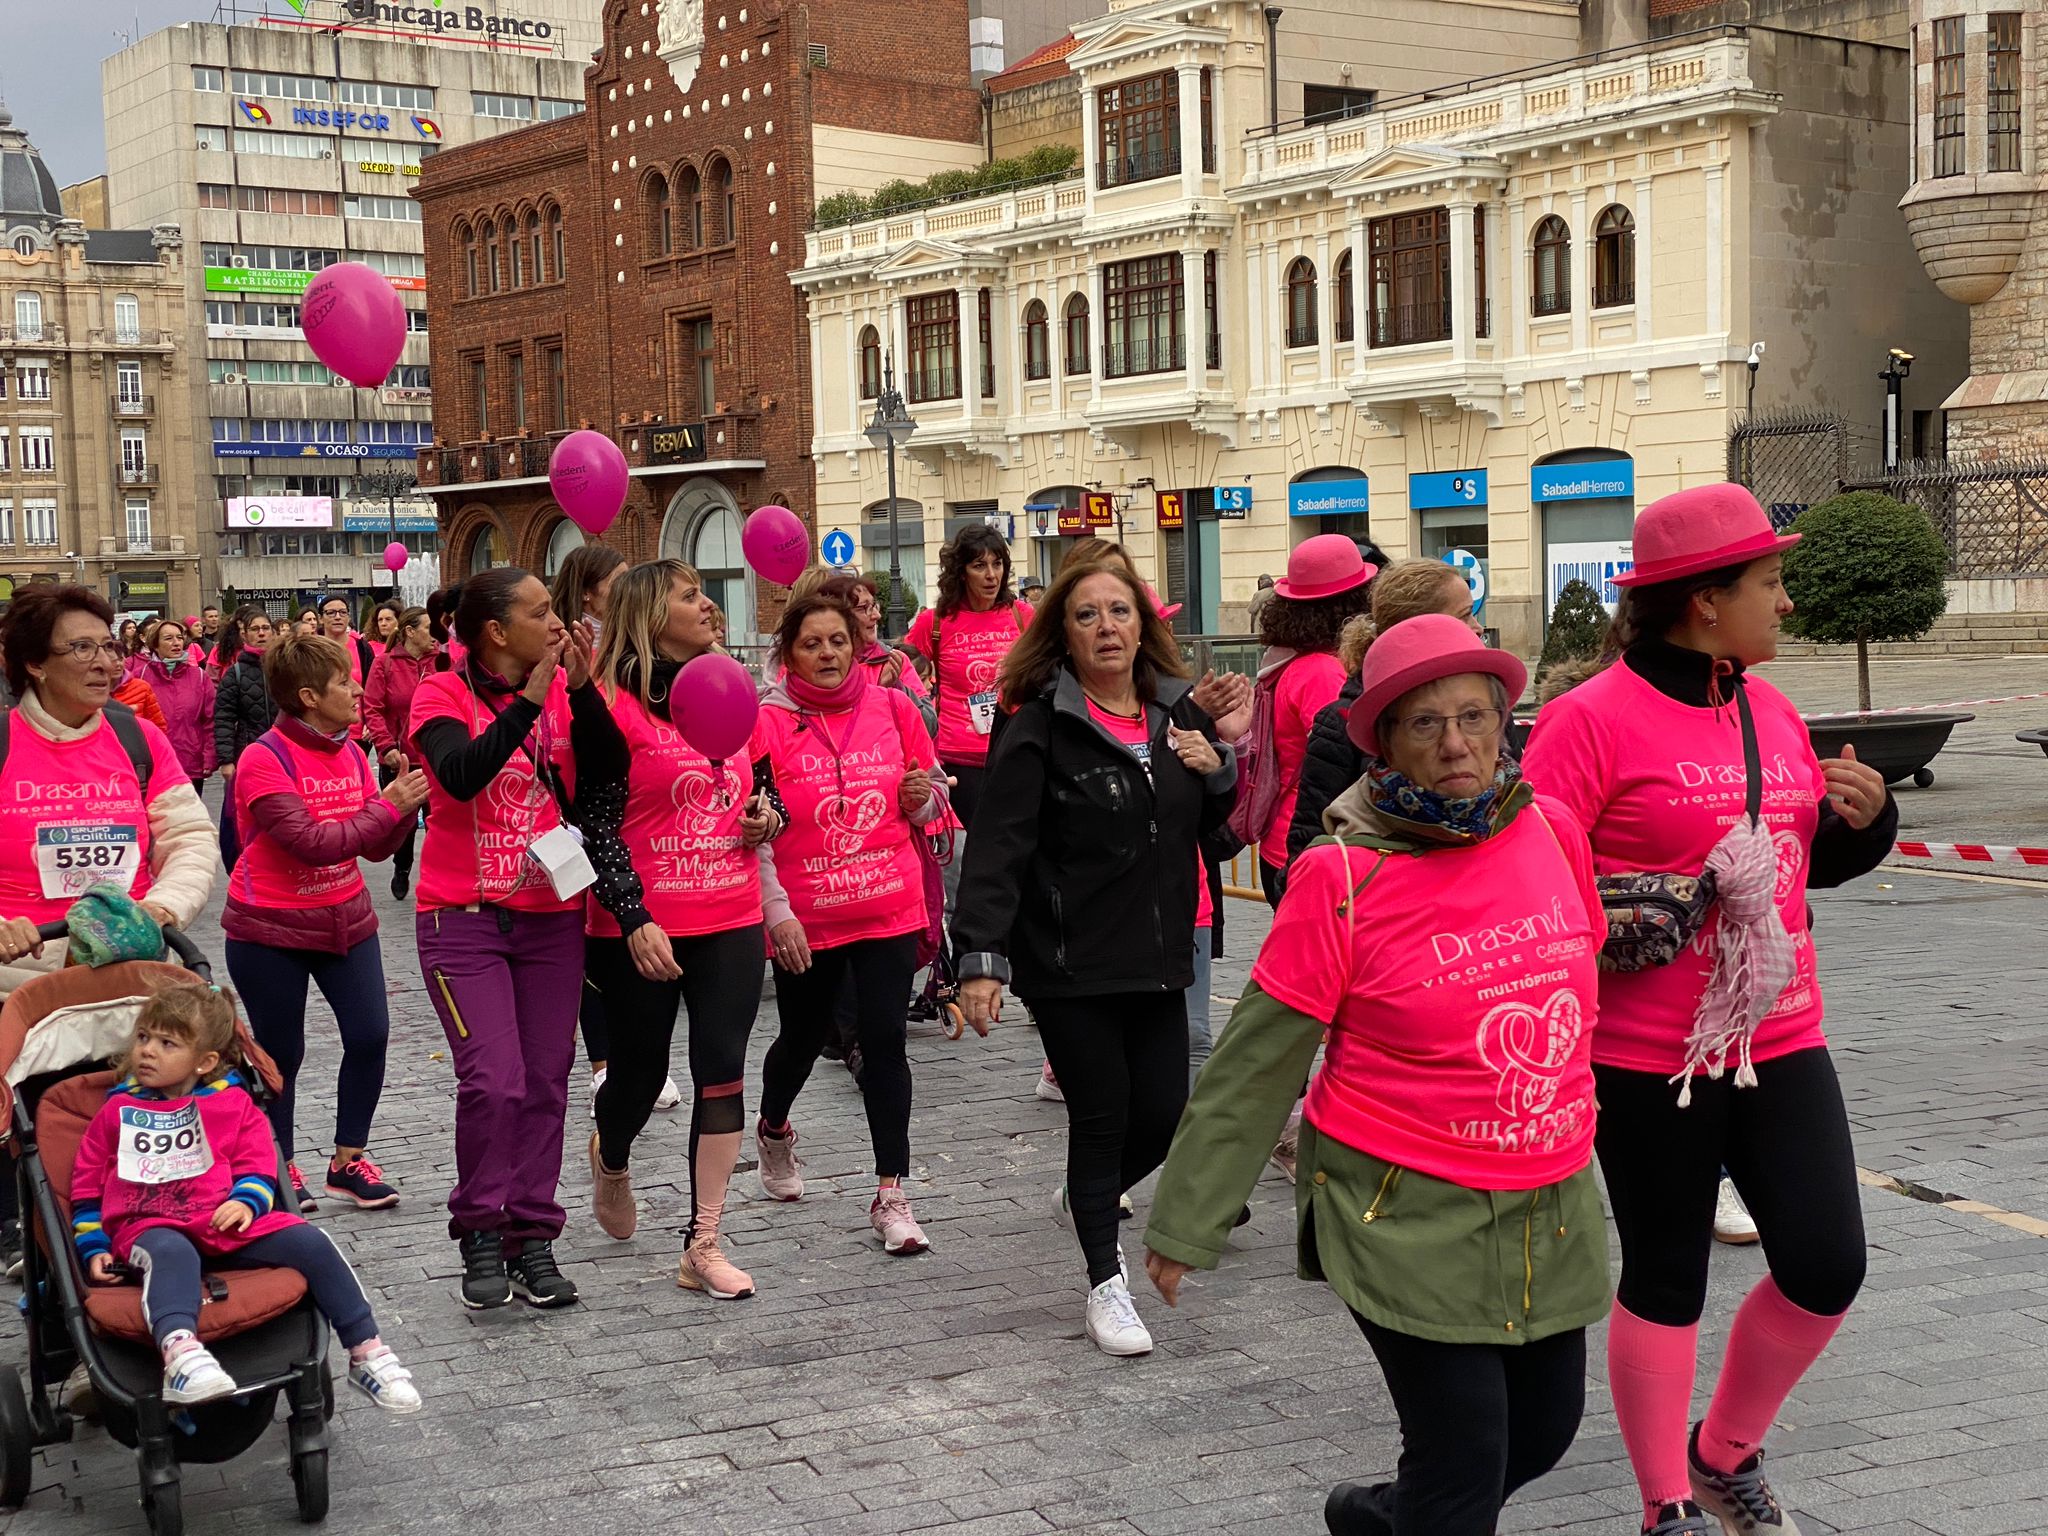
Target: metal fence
[(1992, 514)]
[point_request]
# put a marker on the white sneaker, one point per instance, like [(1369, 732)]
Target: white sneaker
[(1048, 1086), (1113, 1323), (379, 1377), (1732, 1221), (192, 1375), (596, 1082), (670, 1095), (1063, 1213)]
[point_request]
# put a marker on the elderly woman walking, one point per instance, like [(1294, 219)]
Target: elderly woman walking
[(1446, 939)]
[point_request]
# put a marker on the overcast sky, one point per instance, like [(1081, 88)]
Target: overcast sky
[(50, 70)]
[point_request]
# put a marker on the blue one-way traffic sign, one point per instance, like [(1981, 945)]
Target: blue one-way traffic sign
[(837, 547)]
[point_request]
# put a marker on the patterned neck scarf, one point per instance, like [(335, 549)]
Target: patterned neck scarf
[(1471, 819)]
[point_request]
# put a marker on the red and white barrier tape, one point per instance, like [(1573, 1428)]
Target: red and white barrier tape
[(1974, 853), (1914, 709)]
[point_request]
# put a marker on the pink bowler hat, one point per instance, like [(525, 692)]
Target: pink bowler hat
[(1700, 530), (1323, 566), (1418, 651)]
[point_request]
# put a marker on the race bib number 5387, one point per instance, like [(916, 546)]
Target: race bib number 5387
[(72, 857)]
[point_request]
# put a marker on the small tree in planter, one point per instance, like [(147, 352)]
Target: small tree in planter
[(1578, 625), (1866, 568)]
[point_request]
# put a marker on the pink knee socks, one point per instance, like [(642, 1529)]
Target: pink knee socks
[(1770, 1347), (1650, 1372)]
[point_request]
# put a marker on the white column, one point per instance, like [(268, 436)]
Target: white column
[(1461, 277), (1717, 235), (898, 334), (1190, 83), (1514, 333), (1645, 255), (1499, 256), (1194, 323), (817, 367), (969, 307), (1361, 296), (1582, 253), (1091, 151), (1255, 318), (1098, 332), (1001, 344), (1013, 317), (1326, 311)]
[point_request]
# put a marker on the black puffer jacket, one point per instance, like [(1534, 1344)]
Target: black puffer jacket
[(1080, 873), (1331, 766), (242, 710)]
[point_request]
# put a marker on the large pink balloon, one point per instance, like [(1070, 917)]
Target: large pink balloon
[(776, 544), (395, 556), (714, 705), (354, 321), (588, 475)]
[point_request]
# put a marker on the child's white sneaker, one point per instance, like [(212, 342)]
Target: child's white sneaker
[(192, 1375), (380, 1378)]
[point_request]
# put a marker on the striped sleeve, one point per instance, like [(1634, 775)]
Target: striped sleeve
[(256, 1192), (87, 1235)]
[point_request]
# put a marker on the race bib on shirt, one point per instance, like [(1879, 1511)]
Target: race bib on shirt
[(981, 709), (72, 857), (163, 1146)]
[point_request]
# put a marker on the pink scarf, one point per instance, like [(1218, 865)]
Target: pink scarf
[(826, 701), (1753, 959)]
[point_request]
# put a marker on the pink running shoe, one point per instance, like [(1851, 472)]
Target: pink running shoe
[(781, 1174), (704, 1267), (898, 1229)]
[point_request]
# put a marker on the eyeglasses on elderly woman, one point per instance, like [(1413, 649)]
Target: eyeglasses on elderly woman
[(1474, 724)]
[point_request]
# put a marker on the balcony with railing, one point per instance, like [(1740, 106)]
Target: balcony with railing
[(1615, 292), (1135, 165), (136, 472), (1043, 205), (732, 437), (928, 384), (1144, 354), (135, 405)]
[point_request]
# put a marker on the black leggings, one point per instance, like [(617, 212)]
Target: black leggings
[(597, 1039), (1785, 1143), (1122, 1062), (967, 793), (879, 971), (1478, 1421), (721, 986), (401, 861)]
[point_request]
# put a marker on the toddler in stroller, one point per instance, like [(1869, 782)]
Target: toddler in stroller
[(177, 1165)]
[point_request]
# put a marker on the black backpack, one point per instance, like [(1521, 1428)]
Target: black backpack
[(127, 730)]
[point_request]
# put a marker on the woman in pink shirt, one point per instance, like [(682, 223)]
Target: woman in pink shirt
[(677, 918), (409, 658), (1328, 582), (966, 638), (1678, 760), (843, 891), (1445, 940)]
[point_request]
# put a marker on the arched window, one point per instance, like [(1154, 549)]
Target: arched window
[(515, 253), (724, 210), (557, 252), (870, 363), (1552, 253), (1037, 342), (483, 550), (1345, 328), (1076, 316), (1614, 257), (493, 262), (533, 240), (565, 540), (661, 235), (1301, 303), (465, 240), (690, 201)]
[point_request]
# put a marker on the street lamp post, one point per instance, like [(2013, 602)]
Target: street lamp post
[(892, 425), (1897, 365)]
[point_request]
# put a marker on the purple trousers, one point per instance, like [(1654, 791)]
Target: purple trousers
[(506, 985)]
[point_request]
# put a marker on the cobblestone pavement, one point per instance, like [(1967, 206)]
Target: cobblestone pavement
[(956, 1392)]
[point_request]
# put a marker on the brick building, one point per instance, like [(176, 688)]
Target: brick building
[(627, 268)]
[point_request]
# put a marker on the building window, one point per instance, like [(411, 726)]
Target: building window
[(1075, 317), (28, 317), (1301, 303), (515, 379), (724, 205), (1215, 331), (6, 514), (416, 321), (556, 248), (1614, 257), (1142, 320), (690, 199), (4, 456), (138, 523), (2002, 93), (558, 389), (1411, 278), (128, 383), (703, 341), (32, 382), (932, 321), (1552, 255), (494, 261), (985, 307), (1949, 130), (402, 98), (212, 137), (127, 319), (1333, 103), (1346, 319), (518, 109), (206, 78), (250, 82), (533, 244), (215, 194), (134, 454), (273, 317), (1138, 130), (552, 107), (871, 361), (1037, 342), (39, 522), (515, 248), (291, 146), (479, 395), (39, 450), (395, 210), (661, 234)]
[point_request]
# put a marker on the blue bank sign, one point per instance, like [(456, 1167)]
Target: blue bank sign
[(1328, 498), (1601, 480), (1447, 488)]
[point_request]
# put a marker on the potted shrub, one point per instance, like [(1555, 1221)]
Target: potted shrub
[(1868, 568), (1572, 643)]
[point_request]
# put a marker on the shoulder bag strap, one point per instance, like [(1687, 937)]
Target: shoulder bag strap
[(1752, 765), (128, 731)]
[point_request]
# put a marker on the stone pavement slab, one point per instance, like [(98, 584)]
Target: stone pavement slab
[(955, 1392)]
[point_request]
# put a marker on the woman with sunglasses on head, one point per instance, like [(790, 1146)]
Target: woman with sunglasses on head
[(1680, 761)]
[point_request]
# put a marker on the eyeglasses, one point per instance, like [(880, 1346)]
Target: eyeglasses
[(83, 650), (1473, 725)]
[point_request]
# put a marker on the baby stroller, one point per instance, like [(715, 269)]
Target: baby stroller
[(57, 1033)]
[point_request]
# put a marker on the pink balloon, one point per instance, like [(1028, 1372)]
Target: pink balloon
[(395, 556), (588, 474), (714, 705), (354, 321), (776, 544)]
